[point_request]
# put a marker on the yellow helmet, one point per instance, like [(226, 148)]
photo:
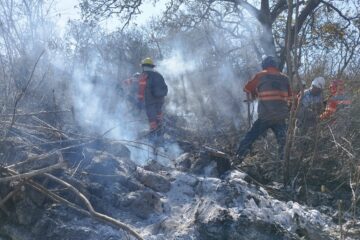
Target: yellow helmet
[(147, 61)]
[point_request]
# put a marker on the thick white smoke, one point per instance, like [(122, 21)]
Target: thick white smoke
[(205, 88)]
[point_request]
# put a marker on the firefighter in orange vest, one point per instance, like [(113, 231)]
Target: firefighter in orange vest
[(337, 100), (151, 95), (130, 88), (272, 89)]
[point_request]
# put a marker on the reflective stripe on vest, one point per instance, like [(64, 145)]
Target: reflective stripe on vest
[(273, 95), (344, 102)]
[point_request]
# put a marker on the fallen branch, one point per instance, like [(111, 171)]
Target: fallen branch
[(31, 159), (56, 198), (34, 113), (50, 126), (25, 135), (90, 208), (85, 142), (44, 128), (6, 198), (32, 173)]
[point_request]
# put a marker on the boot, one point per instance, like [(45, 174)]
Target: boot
[(156, 137)]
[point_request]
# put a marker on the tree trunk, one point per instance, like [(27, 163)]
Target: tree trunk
[(267, 40), (308, 9)]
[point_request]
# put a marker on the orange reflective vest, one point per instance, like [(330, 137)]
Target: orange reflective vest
[(272, 89), (334, 103), (142, 86)]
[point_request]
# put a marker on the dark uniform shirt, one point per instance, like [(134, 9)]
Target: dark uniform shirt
[(272, 88), (152, 88)]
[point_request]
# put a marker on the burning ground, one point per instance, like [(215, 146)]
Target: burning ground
[(188, 196)]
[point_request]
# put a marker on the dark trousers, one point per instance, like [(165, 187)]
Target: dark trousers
[(154, 114), (155, 117), (259, 128)]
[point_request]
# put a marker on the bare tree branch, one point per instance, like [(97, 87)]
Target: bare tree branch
[(279, 7), (246, 5), (328, 4), (308, 9), (23, 91)]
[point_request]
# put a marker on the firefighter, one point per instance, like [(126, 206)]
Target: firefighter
[(337, 109), (272, 89), (151, 96), (337, 100), (310, 106), (130, 88)]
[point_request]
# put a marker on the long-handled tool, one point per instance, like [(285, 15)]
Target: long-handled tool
[(249, 115)]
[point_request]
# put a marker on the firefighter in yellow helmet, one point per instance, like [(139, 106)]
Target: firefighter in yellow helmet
[(151, 95)]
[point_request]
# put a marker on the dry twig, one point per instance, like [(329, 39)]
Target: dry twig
[(22, 93), (90, 210)]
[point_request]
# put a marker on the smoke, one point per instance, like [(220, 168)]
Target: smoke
[(81, 70), (176, 64), (102, 106), (205, 86), (102, 109), (204, 66), (205, 82)]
